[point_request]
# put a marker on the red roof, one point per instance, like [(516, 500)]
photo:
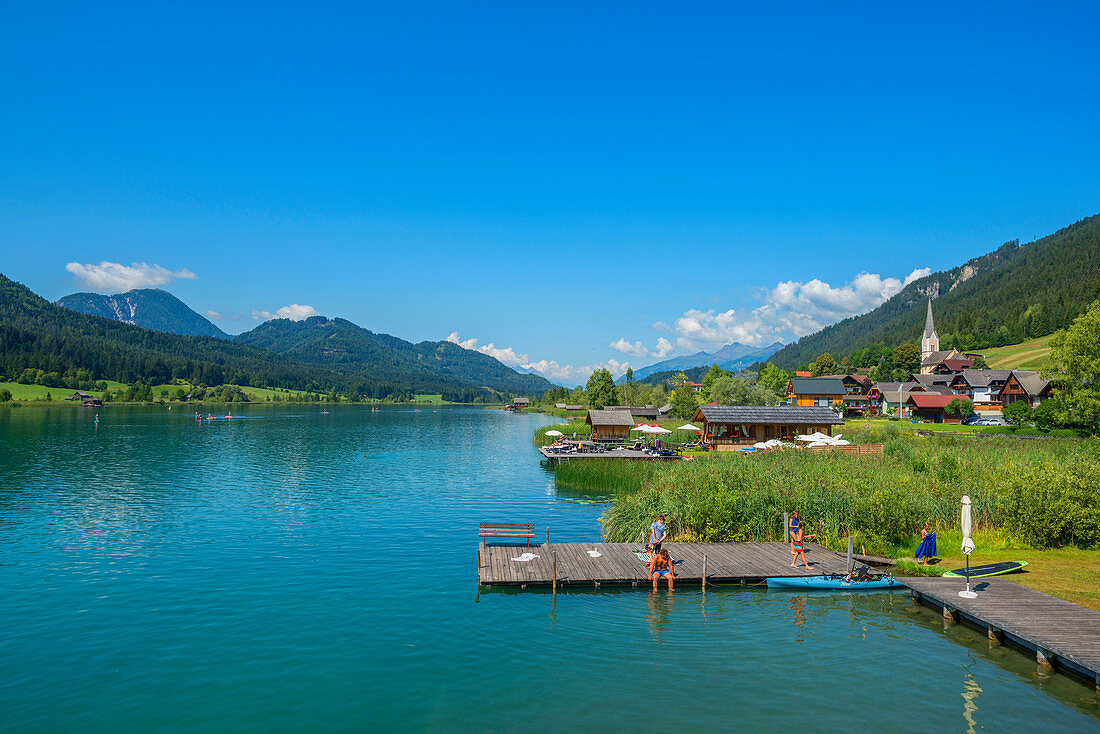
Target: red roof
[(802, 373), (957, 365), (932, 400)]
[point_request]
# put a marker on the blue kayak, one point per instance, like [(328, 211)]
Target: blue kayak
[(834, 583)]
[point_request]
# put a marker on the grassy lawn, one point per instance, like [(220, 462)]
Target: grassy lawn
[(906, 426), (1030, 355), (430, 399), (37, 392), (1068, 573)]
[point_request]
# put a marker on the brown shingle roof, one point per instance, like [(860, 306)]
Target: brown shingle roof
[(609, 417), (753, 414)]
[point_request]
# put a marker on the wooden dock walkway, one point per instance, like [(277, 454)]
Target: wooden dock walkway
[(617, 564), (1062, 634)]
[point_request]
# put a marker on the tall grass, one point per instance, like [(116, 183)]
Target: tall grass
[(580, 428), (605, 475), (1039, 493)]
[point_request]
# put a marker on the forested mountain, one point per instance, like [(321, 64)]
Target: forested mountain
[(71, 349), (339, 344), (734, 357), (149, 308), (1015, 293)]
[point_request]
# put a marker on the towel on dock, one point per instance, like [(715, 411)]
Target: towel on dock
[(927, 547), (526, 557), (594, 553)]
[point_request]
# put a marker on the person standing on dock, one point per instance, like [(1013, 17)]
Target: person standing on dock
[(793, 528), (662, 568), (797, 545), (657, 533)]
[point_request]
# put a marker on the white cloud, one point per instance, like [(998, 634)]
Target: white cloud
[(294, 312), (116, 277), (636, 349), (565, 374), (790, 310), (214, 315), (916, 275)]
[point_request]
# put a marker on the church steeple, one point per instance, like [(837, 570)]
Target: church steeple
[(930, 342), (929, 326)]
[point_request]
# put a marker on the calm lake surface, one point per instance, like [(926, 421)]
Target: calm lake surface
[(289, 570)]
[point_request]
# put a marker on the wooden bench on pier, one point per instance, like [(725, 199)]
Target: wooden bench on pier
[(507, 530)]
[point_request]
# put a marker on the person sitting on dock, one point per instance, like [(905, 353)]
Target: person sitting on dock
[(662, 568), (797, 545), (657, 533)]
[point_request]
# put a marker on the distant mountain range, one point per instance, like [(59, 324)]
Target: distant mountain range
[(339, 344), (149, 308), (1015, 293), (733, 357), (317, 354)]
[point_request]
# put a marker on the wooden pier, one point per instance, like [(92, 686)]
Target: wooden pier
[(1063, 635), (617, 563), (556, 457)]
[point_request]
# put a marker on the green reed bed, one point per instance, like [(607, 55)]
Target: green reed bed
[(579, 427), (600, 476), (1043, 494)]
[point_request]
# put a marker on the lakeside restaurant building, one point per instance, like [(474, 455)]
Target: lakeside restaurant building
[(730, 426), (610, 425)]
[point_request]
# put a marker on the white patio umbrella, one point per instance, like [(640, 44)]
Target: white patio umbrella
[(639, 427), (688, 427), (554, 433), (967, 545), (655, 429)]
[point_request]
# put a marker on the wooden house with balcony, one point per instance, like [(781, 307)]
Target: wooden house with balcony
[(816, 392)]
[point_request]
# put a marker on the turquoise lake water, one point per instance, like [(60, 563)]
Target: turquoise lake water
[(290, 571)]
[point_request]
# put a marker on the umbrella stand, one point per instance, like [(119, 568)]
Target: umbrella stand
[(968, 594)]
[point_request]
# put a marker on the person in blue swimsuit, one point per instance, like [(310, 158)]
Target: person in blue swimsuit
[(662, 569)]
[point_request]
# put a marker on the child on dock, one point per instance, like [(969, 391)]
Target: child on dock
[(797, 545)]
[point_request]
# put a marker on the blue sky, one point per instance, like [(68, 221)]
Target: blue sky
[(565, 186)]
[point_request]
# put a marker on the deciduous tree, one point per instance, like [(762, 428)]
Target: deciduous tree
[(1075, 369)]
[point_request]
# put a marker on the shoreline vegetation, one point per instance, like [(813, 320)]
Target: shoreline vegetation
[(1034, 500), (116, 393)]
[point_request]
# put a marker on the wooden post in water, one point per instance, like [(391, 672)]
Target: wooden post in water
[(548, 536), (554, 569), (704, 573), (851, 561), (786, 527)]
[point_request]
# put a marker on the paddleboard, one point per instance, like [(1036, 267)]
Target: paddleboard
[(989, 569)]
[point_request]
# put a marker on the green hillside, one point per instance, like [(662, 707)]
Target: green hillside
[(1031, 355), (53, 346), (1011, 295)]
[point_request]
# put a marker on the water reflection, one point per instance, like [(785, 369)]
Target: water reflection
[(970, 693), (660, 607)]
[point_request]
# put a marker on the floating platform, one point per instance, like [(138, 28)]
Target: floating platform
[(1063, 635), (617, 563)]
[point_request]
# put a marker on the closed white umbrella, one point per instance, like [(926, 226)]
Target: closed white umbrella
[(688, 427), (967, 545)]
